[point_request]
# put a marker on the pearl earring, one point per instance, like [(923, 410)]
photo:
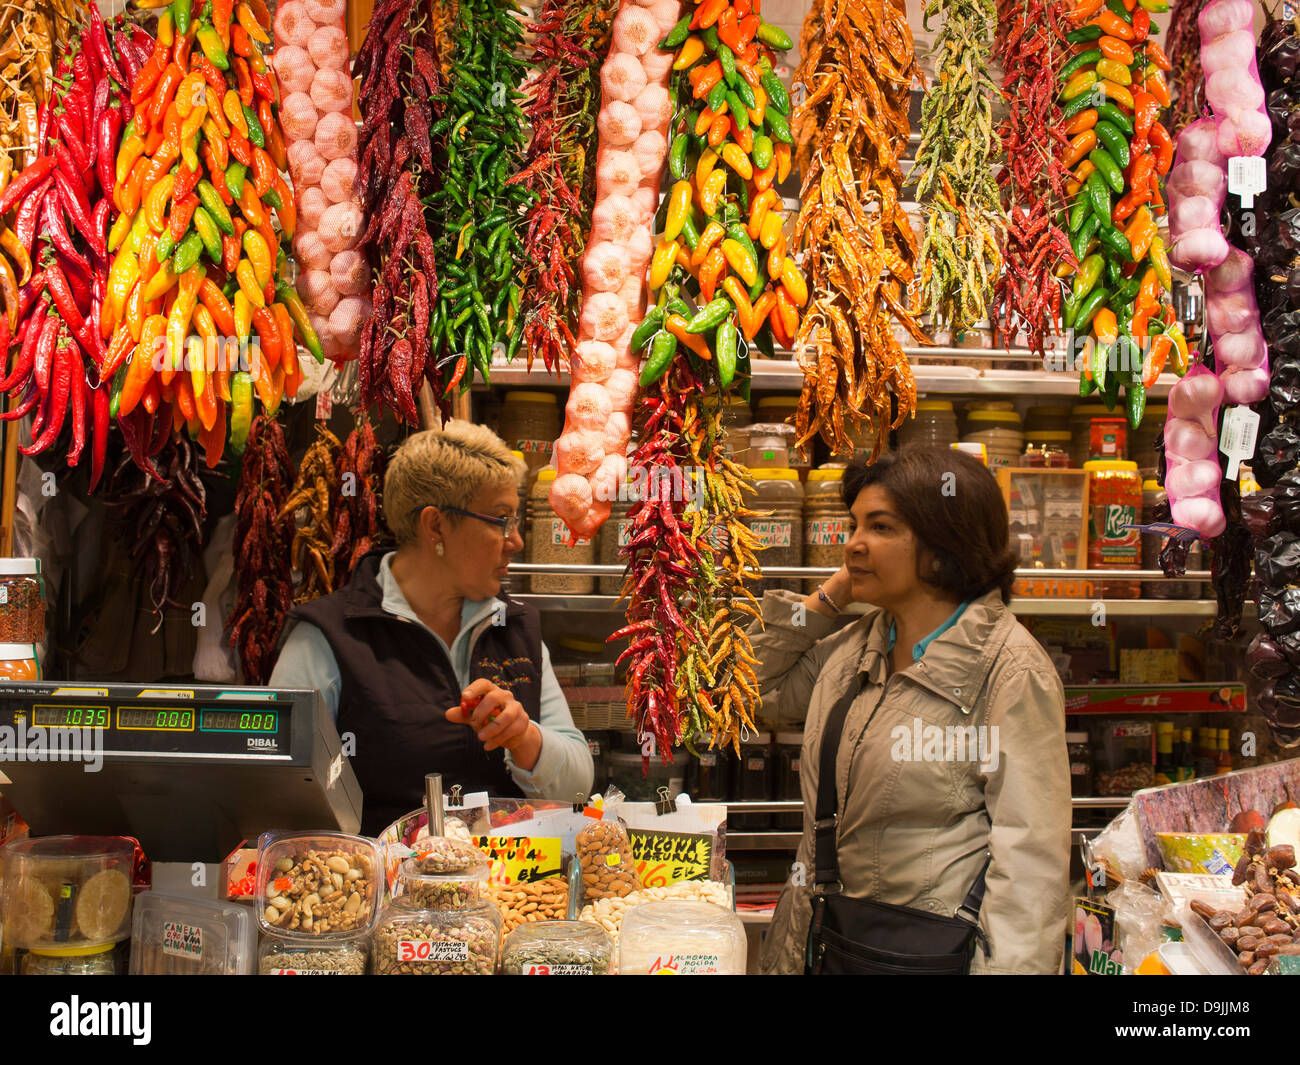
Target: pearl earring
[(440, 549)]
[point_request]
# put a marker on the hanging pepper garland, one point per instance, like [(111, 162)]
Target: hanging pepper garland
[(961, 254), (1031, 47), (1187, 79), (559, 170), (398, 67), (861, 253)]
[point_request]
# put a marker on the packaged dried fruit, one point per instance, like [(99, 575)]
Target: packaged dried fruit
[(66, 891), (321, 884)]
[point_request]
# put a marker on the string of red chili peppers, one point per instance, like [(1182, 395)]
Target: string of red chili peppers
[(559, 168), (1187, 80), (1031, 45)]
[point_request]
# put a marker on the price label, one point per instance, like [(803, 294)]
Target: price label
[(1237, 438), (182, 940), (1247, 178), (410, 950), (663, 858), (324, 405), (685, 965), (521, 859), (305, 972), (558, 970)]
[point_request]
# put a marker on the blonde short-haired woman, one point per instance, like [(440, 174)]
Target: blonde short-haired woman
[(423, 628)]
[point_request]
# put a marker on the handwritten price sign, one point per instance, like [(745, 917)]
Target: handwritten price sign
[(409, 950), (664, 858), (521, 859)]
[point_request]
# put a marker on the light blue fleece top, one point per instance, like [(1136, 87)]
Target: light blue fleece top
[(918, 649), (564, 767)]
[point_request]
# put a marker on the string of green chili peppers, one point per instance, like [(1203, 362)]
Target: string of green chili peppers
[(964, 223)]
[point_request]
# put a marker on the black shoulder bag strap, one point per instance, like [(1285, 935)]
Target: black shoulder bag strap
[(826, 864)]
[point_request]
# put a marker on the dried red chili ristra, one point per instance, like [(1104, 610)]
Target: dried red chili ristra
[(1031, 45), (1186, 80)]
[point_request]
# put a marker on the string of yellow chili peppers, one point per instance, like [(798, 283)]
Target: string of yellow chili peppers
[(205, 139)]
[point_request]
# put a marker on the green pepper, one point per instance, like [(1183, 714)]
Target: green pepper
[(743, 89), (164, 247), (181, 16), (1078, 212), (775, 37), (762, 153), (662, 350), (187, 253), (710, 38), (1088, 273), (115, 398), (1115, 242), (677, 157), (650, 324), (776, 94), (1108, 112), (1099, 363), (777, 124), (1090, 305), (1118, 7), (1098, 193), (1080, 103), (255, 133), (1083, 59), (738, 113), (724, 352), (717, 95), (1110, 393), (677, 34), (727, 60), (210, 41), (689, 231), (1084, 34), (288, 295), (1068, 308), (1107, 168), (710, 316), (1113, 141), (1114, 273), (272, 199), (241, 409), (206, 227), (235, 174), (1086, 385), (1126, 292), (1081, 238)]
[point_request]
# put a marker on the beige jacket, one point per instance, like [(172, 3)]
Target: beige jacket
[(924, 803)]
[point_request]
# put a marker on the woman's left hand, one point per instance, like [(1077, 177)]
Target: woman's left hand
[(497, 718)]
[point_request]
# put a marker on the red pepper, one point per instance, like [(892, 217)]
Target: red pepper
[(240, 42), (729, 30), (99, 43), (53, 216), (100, 400), (170, 81), (264, 87), (24, 408), (29, 212), (243, 80), (241, 148), (46, 348), (63, 299), (263, 172), (187, 181), (77, 211), (23, 364), (1163, 147), (748, 25), (31, 177), (77, 387), (1141, 25), (107, 133), (182, 212)]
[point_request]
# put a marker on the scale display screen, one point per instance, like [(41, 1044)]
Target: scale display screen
[(155, 719), (259, 722), (70, 717)]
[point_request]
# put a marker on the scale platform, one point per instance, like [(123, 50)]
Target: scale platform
[(189, 772)]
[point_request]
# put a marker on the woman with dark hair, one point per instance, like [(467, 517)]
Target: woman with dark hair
[(945, 721)]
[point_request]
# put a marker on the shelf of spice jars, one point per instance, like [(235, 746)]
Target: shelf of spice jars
[(784, 375)]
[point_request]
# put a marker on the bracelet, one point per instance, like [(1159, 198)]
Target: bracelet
[(821, 594)]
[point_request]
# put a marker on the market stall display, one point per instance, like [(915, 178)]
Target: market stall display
[(681, 938)]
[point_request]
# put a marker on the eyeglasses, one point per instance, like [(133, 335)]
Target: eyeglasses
[(506, 525)]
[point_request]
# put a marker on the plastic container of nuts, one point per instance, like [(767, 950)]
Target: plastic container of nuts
[(444, 874), (322, 884), (300, 956), (414, 941)]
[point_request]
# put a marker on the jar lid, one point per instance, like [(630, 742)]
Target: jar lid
[(991, 404), (789, 739), (934, 404), (1110, 466), (517, 454), (757, 739), (1152, 486), (577, 643), (826, 475), (532, 397), (74, 952), (546, 473), (773, 473), (1106, 419), (1076, 737), (19, 567), (17, 652), (993, 416)]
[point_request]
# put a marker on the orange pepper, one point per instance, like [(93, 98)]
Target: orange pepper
[(1148, 299), (127, 195), (708, 77), (788, 313), (1104, 326), (1156, 55), (1115, 26), (711, 271), (184, 393), (736, 293), (152, 398), (763, 178), (1140, 231), (781, 156), (1153, 365), (287, 212), (1080, 122), (719, 129), (1114, 48), (1080, 146), (703, 123), (1084, 9), (743, 137), (750, 324), (676, 325), (1080, 176), (708, 13), (213, 438), (1156, 86)]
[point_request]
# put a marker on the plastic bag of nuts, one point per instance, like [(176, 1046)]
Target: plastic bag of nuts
[(605, 856), (318, 885), (536, 900), (444, 874)]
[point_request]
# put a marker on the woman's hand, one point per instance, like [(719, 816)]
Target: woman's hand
[(840, 587), (499, 720)]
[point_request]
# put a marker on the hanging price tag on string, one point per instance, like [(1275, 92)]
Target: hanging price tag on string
[(1247, 178), (1237, 438)]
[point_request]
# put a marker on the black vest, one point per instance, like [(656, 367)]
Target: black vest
[(397, 683)]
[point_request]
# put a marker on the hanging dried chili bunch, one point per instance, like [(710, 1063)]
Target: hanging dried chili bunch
[(1031, 46), (961, 254), (400, 81), (480, 237), (263, 536), (858, 67), (559, 169), (317, 492), (1187, 79), (358, 524)]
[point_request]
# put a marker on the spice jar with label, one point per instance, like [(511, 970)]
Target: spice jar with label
[(1114, 501), (780, 530), (18, 661), (530, 423), (1081, 431), (548, 541), (825, 521), (1108, 438), (754, 781), (22, 601), (736, 420), (1000, 432), (1080, 758), (771, 445), (1153, 543)]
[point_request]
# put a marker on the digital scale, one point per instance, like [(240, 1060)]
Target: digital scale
[(189, 772)]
